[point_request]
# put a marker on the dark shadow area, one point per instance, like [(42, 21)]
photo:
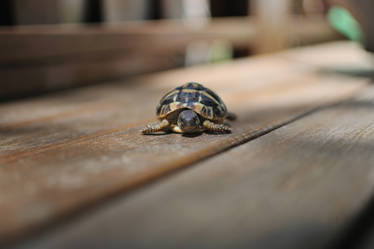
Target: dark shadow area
[(187, 135), (227, 8), (155, 10), (359, 231), (93, 12), (161, 133), (192, 135), (6, 17)]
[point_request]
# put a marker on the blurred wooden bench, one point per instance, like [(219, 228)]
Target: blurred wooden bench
[(64, 56), (295, 173)]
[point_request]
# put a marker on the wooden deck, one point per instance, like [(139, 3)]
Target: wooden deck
[(297, 171)]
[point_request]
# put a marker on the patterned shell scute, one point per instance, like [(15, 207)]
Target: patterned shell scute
[(192, 96)]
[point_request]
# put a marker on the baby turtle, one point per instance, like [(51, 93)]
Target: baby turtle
[(191, 108)]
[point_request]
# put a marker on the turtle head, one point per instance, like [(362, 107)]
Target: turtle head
[(188, 121)]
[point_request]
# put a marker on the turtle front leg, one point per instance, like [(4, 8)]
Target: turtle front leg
[(218, 128), (152, 128)]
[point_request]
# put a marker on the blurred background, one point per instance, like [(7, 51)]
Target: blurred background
[(47, 45)]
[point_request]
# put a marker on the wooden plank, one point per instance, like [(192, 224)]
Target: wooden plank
[(113, 37), (296, 187), (79, 71), (67, 40), (58, 57), (46, 177)]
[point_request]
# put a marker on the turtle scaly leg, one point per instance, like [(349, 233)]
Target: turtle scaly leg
[(218, 128), (151, 128)]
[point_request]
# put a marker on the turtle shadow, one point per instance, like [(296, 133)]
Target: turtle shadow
[(192, 135), (188, 135), (164, 133), (159, 133), (155, 134), (212, 133)]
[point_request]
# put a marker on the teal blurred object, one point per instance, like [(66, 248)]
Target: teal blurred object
[(342, 20)]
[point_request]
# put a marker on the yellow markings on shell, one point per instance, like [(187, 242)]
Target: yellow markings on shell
[(211, 111), (169, 94), (162, 109), (198, 107), (174, 106), (210, 96)]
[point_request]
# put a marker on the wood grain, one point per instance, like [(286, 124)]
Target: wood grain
[(82, 147), (296, 187)]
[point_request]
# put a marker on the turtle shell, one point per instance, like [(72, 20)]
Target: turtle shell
[(192, 96)]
